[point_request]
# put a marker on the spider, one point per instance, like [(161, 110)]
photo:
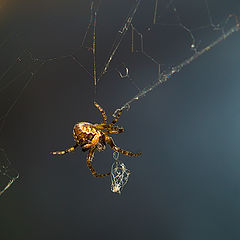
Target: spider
[(95, 136)]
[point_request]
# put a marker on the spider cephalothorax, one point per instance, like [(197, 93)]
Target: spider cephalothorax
[(95, 136)]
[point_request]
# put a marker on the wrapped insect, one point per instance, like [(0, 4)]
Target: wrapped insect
[(119, 174)]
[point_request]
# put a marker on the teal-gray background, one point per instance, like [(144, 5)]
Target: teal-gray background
[(185, 185)]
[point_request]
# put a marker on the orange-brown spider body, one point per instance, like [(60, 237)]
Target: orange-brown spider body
[(95, 137), (87, 136)]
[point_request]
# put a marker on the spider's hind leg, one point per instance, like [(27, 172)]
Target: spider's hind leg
[(89, 164), (109, 140), (65, 151)]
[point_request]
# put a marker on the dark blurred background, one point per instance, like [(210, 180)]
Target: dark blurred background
[(185, 185)]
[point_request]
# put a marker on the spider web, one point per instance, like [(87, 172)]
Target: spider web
[(130, 42), (7, 173)]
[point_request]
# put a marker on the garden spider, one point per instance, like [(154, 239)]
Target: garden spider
[(95, 136)]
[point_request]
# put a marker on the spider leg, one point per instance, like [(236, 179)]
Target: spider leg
[(102, 112), (65, 151), (109, 140), (115, 130), (89, 164), (116, 118)]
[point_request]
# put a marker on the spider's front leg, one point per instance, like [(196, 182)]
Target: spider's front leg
[(89, 164), (109, 140), (115, 130), (65, 151), (102, 112), (116, 119)]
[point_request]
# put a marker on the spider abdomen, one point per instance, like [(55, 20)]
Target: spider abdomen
[(87, 136)]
